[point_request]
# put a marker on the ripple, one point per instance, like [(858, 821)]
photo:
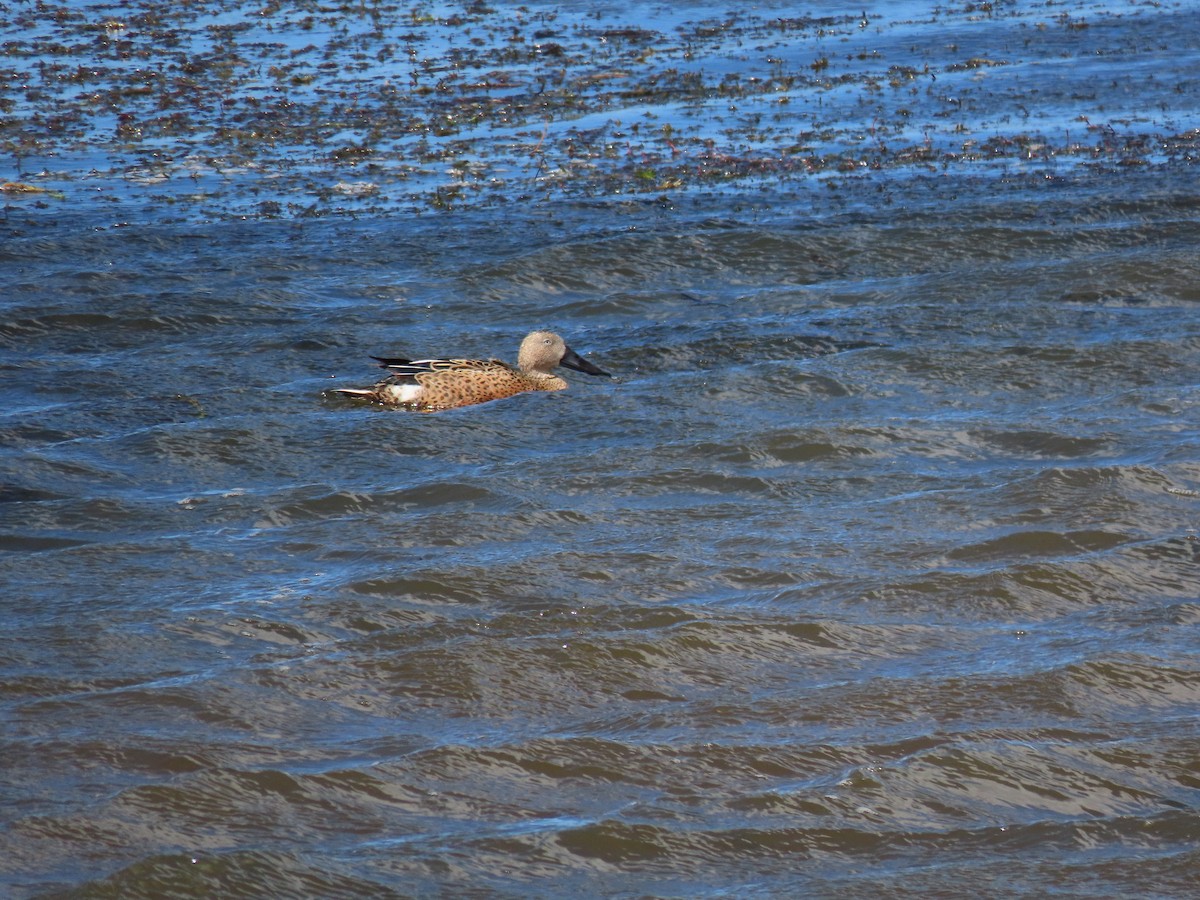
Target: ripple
[(873, 572)]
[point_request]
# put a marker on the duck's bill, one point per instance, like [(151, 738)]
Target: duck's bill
[(573, 360)]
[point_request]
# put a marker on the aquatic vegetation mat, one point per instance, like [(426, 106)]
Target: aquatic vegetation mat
[(222, 108)]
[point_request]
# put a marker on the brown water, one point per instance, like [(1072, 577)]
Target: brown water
[(873, 573)]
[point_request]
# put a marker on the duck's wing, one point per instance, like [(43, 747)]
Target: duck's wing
[(411, 368)]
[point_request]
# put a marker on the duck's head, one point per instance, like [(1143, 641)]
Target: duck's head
[(543, 350)]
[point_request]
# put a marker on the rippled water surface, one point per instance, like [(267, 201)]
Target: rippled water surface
[(873, 572)]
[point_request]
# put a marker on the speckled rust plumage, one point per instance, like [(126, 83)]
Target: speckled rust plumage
[(450, 383), (429, 385)]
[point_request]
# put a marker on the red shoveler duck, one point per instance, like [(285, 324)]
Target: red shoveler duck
[(428, 385)]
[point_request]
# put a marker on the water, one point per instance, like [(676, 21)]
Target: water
[(872, 573)]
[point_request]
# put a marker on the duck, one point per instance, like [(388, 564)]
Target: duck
[(431, 385)]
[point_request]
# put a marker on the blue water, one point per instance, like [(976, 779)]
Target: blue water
[(871, 573)]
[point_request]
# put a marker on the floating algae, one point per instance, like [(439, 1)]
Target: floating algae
[(220, 108)]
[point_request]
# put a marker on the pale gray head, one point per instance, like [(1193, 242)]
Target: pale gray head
[(543, 350)]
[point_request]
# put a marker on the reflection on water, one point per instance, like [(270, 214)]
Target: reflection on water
[(872, 573)]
